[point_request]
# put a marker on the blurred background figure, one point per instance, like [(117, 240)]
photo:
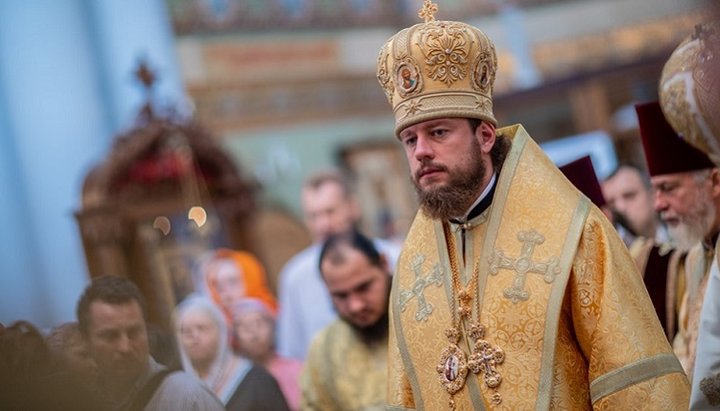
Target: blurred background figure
[(204, 351), (111, 316), (34, 376), (694, 115), (330, 208), (629, 194), (74, 372), (254, 326), (657, 263), (230, 276), (70, 352), (24, 363), (346, 367), (687, 196)]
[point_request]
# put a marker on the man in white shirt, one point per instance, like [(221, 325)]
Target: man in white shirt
[(305, 304)]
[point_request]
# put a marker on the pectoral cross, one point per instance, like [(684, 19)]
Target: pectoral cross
[(524, 265), (484, 359), (418, 288)]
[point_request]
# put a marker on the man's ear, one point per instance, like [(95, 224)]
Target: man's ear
[(715, 181), (485, 133)]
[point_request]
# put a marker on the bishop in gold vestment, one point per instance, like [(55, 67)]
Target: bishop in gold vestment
[(512, 291), (560, 296)]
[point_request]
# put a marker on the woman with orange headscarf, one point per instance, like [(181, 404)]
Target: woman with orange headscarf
[(230, 276)]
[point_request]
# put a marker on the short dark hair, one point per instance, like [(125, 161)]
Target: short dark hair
[(331, 248), (642, 173), (109, 289)]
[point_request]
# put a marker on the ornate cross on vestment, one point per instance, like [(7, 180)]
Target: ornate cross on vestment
[(418, 288), (524, 265)]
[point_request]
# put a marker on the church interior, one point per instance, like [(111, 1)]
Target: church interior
[(136, 135)]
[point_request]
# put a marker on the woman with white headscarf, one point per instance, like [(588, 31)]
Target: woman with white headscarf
[(203, 344)]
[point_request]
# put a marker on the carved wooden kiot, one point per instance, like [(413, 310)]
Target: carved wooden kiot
[(135, 218)]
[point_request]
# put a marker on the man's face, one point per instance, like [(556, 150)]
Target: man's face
[(327, 210), (359, 290), (447, 164), (199, 336), (117, 339), (685, 204), (626, 194)]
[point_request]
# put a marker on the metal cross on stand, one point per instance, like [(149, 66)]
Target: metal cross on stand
[(524, 265), (418, 288)]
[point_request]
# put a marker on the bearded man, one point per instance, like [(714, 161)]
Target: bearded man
[(687, 197), (512, 290), (693, 113), (346, 368)]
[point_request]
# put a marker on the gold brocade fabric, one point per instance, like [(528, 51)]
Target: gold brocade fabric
[(569, 309), (697, 268), (342, 373)]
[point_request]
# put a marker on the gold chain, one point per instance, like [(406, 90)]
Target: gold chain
[(464, 295), (481, 353)]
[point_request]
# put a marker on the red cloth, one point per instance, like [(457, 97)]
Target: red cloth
[(582, 174), (665, 151)]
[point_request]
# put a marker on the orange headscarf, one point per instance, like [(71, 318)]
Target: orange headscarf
[(252, 275)]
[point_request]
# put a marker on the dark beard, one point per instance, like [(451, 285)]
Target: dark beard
[(452, 200), (377, 332)]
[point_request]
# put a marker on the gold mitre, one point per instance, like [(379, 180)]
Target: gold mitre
[(690, 89), (438, 69)]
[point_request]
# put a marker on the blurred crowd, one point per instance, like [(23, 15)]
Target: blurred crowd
[(322, 343)]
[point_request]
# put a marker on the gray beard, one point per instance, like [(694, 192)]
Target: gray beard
[(694, 228)]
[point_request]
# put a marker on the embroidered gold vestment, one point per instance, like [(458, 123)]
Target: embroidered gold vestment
[(696, 266), (343, 373), (558, 293)]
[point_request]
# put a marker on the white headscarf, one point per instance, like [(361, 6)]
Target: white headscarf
[(227, 370)]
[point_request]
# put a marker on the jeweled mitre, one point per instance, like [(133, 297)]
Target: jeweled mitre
[(438, 69)]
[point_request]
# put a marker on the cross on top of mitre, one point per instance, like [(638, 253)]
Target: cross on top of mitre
[(428, 10)]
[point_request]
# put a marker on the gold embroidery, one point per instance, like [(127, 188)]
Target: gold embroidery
[(453, 366), (416, 291), (383, 75), (524, 265), (447, 51), (710, 386)]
